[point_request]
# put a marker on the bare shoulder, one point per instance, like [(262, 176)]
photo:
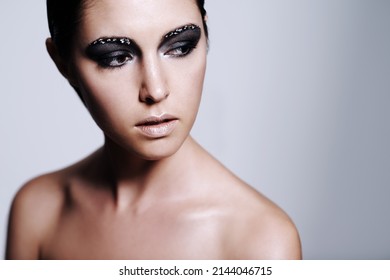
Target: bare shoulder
[(260, 229), (34, 210), (37, 208), (253, 226)]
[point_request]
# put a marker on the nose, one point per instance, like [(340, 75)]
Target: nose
[(154, 87)]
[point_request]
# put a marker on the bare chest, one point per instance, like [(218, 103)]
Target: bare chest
[(154, 235)]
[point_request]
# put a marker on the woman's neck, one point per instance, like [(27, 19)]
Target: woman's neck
[(133, 179)]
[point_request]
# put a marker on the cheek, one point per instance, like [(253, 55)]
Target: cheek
[(109, 94), (187, 84)]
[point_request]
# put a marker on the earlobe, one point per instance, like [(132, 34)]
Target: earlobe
[(62, 66)]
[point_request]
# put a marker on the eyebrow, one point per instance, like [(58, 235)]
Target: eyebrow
[(129, 42), (116, 40), (179, 30)]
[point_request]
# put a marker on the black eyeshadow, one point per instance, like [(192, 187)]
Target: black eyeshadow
[(103, 46), (187, 33), (106, 49), (180, 30)]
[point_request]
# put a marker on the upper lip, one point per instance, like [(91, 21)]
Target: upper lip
[(154, 120)]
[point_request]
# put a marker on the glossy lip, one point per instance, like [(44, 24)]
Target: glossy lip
[(157, 126)]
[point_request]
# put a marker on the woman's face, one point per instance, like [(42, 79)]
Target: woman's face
[(140, 66)]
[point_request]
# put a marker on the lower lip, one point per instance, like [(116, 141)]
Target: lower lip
[(158, 130)]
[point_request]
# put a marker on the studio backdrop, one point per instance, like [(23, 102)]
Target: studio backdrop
[(296, 102)]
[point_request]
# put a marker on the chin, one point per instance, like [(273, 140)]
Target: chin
[(145, 148), (157, 149), (156, 154)]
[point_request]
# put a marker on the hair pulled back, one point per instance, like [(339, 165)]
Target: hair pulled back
[(64, 17)]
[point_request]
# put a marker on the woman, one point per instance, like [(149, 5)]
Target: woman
[(151, 192)]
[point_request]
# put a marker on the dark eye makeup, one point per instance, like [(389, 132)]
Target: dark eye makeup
[(114, 52), (181, 41)]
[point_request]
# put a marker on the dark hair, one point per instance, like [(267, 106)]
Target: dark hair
[(64, 17)]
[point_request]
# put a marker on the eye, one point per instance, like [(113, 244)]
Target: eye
[(180, 50), (115, 59)]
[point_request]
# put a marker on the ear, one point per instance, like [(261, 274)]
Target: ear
[(58, 60)]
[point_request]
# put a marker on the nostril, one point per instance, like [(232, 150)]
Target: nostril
[(149, 101)]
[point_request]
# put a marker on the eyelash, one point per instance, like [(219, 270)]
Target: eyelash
[(185, 49), (115, 59), (119, 59)]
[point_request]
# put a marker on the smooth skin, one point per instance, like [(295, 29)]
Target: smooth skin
[(140, 197)]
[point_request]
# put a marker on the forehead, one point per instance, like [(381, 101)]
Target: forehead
[(135, 18)]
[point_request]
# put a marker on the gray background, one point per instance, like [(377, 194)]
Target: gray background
[(296, 102)]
